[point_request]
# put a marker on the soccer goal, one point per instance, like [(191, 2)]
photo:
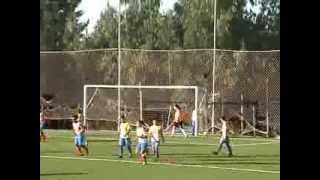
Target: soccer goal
[(102, 109)]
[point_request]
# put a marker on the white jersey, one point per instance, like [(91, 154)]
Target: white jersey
[(142, 135), (155, 132), (194, 116), (41, 118), (76, 128), (224, 130)]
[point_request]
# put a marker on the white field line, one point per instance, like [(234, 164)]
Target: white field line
[(167, 164), (102, 132), (179, 142)]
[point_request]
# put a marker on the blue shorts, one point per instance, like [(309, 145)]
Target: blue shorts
[(142, 147), (124, 142), (154, 142), (80, 140), (41, 127)]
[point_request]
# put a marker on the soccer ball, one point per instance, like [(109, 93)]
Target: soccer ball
[(60, 11), (205, 133)]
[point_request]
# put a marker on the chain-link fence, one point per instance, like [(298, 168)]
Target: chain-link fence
[(253, 74)]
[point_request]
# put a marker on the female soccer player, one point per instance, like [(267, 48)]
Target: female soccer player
[(43, 136), (142, 143), (177, 121), (155, 132), (124, 138), (224, 140), (79, 136)]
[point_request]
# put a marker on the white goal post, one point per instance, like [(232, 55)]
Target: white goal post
[(85, 88)]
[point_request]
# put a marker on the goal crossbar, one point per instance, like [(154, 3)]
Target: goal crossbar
[(140, 87), (195, 88)]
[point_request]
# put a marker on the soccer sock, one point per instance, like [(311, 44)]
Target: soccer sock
[(144, 158), (157, 150), (173, 131), (121, 150), (153, 149), (78, 150), (219, 148), (183, 132), (86, 149), (42, 138), (130, 151)]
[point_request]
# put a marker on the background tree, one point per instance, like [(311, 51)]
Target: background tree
[(60, 28)]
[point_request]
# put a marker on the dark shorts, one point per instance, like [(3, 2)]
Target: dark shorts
[(177, 124)]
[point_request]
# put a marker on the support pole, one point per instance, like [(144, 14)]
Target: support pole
[(241, 111), (85, 106), (196, 109), (254, 119), (140, 97), (267, 105), (119, 64), (214, 65)]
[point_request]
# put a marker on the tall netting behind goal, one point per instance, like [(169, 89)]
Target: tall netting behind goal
[(246, 82)]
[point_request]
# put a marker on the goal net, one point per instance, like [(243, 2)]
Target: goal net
[(102, 110)]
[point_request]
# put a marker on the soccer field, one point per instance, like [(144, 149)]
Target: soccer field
[(180, 159)]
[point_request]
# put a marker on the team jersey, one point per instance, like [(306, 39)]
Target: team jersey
[(42, 119), (224, 129), (194, 116), (155, 131), (124, 130), (141, 134), (76, 128)]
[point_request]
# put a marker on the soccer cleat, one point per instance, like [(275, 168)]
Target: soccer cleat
[(230, 155), (215, 153), (120, 156)]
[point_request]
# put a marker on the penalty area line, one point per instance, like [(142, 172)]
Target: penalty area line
[(168, 164)]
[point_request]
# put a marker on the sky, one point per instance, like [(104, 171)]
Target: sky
[(93, 8)]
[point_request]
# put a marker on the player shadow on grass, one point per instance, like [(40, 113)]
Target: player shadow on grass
[(101, 140), (172, 145), (238, 162), (63, 174), (186, 154), (53, 151), (237, 157)]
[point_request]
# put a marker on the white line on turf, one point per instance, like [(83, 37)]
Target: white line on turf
[(179, 142), (168, 164), (104, 132)]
